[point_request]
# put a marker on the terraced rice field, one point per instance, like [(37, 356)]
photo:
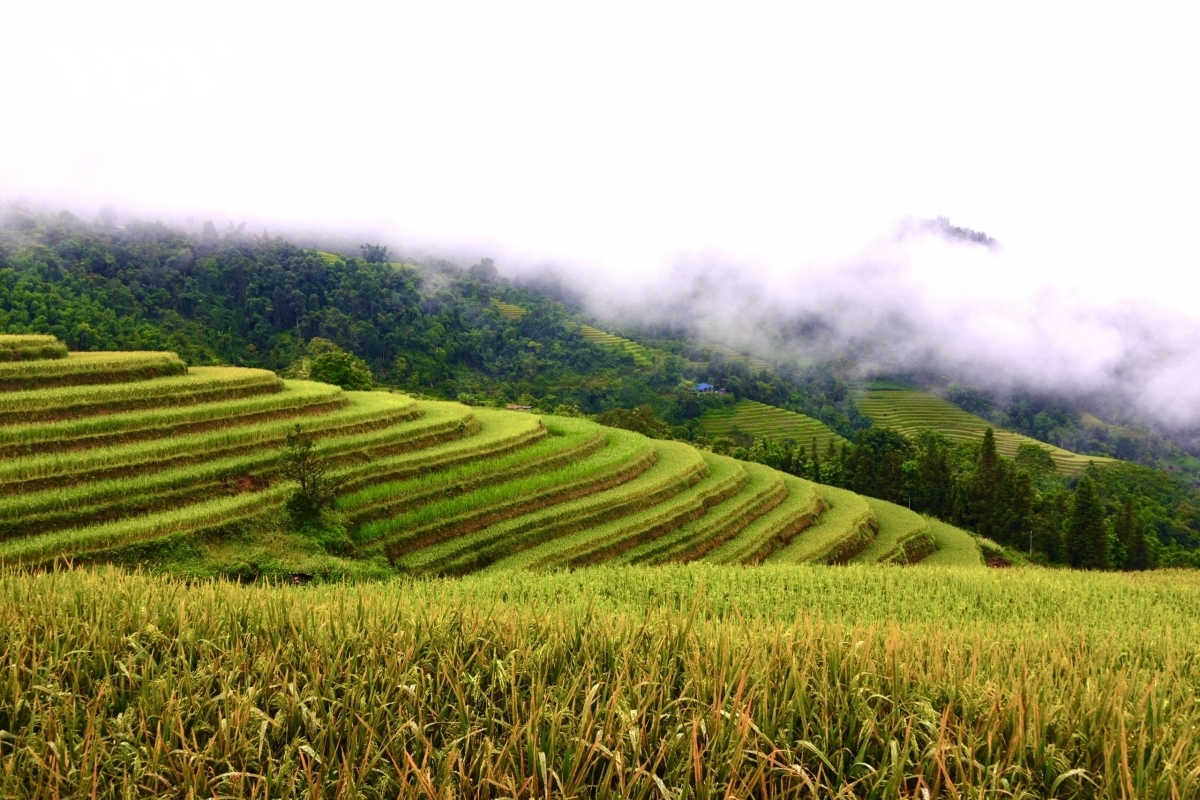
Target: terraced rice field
[(641, 355), (30, 347), (508, 310), (126, 462), (911, 411), (760, 419), (904, 536), (753, 363), (955, 547)]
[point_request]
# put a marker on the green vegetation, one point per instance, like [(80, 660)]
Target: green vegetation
[(630, 682), (759, 420), (508, 310), (30, 347), (381, 481), (79, 369), (911, 411), (641, 355), (842, 531), (753, 364), (200, 385), (444, 332), (903, 538), (955, 547)]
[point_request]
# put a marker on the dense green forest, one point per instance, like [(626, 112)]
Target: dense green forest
[(434, 329), (429, 328)]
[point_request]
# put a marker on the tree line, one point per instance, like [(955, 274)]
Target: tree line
[(1113, 517)]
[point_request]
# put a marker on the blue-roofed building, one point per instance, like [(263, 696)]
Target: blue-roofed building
[(704, 387)]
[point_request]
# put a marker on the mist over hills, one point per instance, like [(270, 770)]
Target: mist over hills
[(935, 302)]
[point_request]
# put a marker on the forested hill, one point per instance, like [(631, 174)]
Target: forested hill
[(433, 328), (468, 335)]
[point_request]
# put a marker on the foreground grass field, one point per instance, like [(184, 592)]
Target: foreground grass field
[(911, 411), (689, 681)]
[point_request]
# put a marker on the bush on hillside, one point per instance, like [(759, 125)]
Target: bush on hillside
[(341, 369), (639, 420), (316, 491)]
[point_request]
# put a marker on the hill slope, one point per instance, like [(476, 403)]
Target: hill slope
[(112, 461), (911, 411), (759, 419)]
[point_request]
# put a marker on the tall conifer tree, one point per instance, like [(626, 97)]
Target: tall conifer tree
[(1087, 535)]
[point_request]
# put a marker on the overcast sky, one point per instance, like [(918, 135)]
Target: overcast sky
[(632, 138)]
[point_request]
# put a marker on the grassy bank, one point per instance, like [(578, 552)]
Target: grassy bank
[(686, 682)]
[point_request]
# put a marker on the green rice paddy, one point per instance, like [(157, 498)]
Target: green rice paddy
[(759, 419), (911, 411), (133, 459), (641, 355)]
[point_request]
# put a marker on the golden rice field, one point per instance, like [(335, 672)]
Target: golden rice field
[(759, 419), (688, 681), (911, 411), (629, 617)]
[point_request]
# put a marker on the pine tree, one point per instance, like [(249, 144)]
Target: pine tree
[(1132, 533), (816, 462), (986, 486), (1087, 534), (1123, 527)]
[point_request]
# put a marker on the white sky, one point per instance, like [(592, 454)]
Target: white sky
[(620, 137)]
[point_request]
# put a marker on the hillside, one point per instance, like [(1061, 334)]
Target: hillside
[(910, 411), (134, 457), (758, 419)]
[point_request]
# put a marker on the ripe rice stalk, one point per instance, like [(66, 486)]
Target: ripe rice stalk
[(790, 682), (200, 385), (298, 397), (79, 369)]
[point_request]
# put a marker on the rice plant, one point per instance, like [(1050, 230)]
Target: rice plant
[(79, 369), (910, 411), (200, 385), (613, 682), (30, 347)]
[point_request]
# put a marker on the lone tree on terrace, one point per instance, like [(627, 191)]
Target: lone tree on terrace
[(316, 490)]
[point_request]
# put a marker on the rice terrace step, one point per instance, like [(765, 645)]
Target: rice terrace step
[(106, 454)]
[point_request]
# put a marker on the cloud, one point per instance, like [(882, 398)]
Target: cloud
[(930, 295)]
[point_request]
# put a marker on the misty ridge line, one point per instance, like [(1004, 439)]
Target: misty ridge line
[(1130, 362)]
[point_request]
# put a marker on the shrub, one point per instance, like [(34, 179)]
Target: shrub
[(316, 491), (341, 369)]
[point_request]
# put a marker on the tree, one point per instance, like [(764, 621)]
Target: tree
[(1087, 533), (374, 254), (875, 466), (485, 271), (986, 486), (1131, 533), (640, 420), (316, 491), (931, 493), (341, 369)]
